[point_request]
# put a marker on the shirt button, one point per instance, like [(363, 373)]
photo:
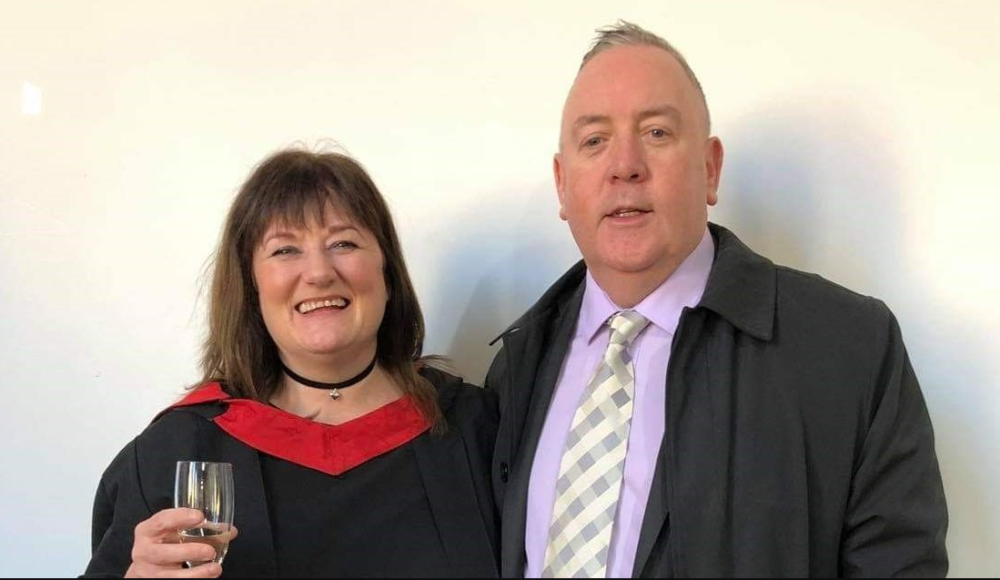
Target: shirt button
[(504, 472)]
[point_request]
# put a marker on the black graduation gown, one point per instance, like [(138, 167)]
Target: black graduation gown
[(441, 482)]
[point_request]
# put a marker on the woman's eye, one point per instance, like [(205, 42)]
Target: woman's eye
[(343, 245), (286, 251)]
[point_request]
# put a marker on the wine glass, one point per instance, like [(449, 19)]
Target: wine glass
[(207, 486)]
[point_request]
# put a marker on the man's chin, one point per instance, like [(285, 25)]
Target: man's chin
[(628, 264)]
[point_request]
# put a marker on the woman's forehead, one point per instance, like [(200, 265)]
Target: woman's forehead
[(310, 217)]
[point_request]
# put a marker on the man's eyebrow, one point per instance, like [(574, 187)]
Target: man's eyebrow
[(664, 111), (585, 120)]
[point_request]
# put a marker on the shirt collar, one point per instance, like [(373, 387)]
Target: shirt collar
[(683, 289)]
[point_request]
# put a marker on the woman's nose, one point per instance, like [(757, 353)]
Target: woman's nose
[(320, 270)]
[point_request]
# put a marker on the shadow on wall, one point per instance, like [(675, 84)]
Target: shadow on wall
[(955, 358), (819, 188), (816, 187), (506, 252)]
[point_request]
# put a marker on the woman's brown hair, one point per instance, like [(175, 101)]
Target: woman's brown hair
[(290, 188)]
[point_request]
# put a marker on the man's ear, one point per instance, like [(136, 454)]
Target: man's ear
[(557, 172), (713, 168)]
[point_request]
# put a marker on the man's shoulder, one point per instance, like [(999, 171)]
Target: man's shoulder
[(823, 308), (797, 286), (745, 270)]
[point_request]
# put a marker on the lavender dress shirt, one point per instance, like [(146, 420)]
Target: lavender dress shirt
[(651, 357)]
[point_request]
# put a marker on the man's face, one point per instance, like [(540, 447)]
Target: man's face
[(636, 170)]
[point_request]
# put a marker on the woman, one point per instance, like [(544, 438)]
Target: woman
[(351, 456)]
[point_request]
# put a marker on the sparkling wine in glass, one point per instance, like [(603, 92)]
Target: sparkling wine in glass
[(207, 486)]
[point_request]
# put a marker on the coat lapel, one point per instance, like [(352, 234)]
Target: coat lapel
[(692, 468), (516, 345), (654, 530), (686, 376), (552, 342)]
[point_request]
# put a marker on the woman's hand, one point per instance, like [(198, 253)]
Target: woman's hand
[(158, 553)]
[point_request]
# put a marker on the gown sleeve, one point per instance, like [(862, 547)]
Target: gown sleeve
[(137, 484)]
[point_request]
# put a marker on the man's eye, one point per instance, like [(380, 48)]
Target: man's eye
[(659, 133), (593, 142)]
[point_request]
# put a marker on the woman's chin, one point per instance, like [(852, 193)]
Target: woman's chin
[(316, 350)]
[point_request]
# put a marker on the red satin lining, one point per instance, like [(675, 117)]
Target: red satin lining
[(332, 449)]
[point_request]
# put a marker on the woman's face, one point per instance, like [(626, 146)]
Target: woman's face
[(322, 291)]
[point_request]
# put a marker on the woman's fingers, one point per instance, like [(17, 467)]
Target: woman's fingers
[(171, 555), (157, 553), (166, 523)]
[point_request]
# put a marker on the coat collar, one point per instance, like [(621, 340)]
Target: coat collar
[(742, 288)]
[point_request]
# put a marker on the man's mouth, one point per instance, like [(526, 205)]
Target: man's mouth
[(627, 212), (336, 302)]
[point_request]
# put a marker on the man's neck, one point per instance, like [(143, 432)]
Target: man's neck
[(627, 289)]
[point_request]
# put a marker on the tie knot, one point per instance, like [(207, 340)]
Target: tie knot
[(626, 326)]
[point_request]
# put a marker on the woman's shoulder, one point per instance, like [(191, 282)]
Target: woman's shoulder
[(176, 431), (170, 433), (178, 421)]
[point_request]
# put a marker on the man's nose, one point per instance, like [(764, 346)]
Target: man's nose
[(628, 161)]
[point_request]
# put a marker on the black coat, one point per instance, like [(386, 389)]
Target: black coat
[(454, 470), (797, 439)]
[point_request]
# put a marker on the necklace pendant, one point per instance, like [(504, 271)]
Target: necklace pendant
[(335, 394)]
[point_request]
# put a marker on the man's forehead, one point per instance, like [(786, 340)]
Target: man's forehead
[(639, 79), (621, 61)]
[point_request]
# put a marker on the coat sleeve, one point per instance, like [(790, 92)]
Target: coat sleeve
[(897, 518), (136, 484)]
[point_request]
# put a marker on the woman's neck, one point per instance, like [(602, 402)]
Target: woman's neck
[(330, 368), (375, 390)]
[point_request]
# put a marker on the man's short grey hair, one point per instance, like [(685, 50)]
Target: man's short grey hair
[(624, 33)]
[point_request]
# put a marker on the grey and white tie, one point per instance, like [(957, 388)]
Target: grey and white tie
[(590, 473)]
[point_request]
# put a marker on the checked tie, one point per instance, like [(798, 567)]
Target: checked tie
[(590, 473)]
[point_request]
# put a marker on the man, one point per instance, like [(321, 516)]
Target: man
[(677, 405)]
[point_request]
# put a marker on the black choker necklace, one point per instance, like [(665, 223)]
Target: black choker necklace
[(334, 388)]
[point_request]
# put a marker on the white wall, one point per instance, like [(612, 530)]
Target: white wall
[(862, 143)]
